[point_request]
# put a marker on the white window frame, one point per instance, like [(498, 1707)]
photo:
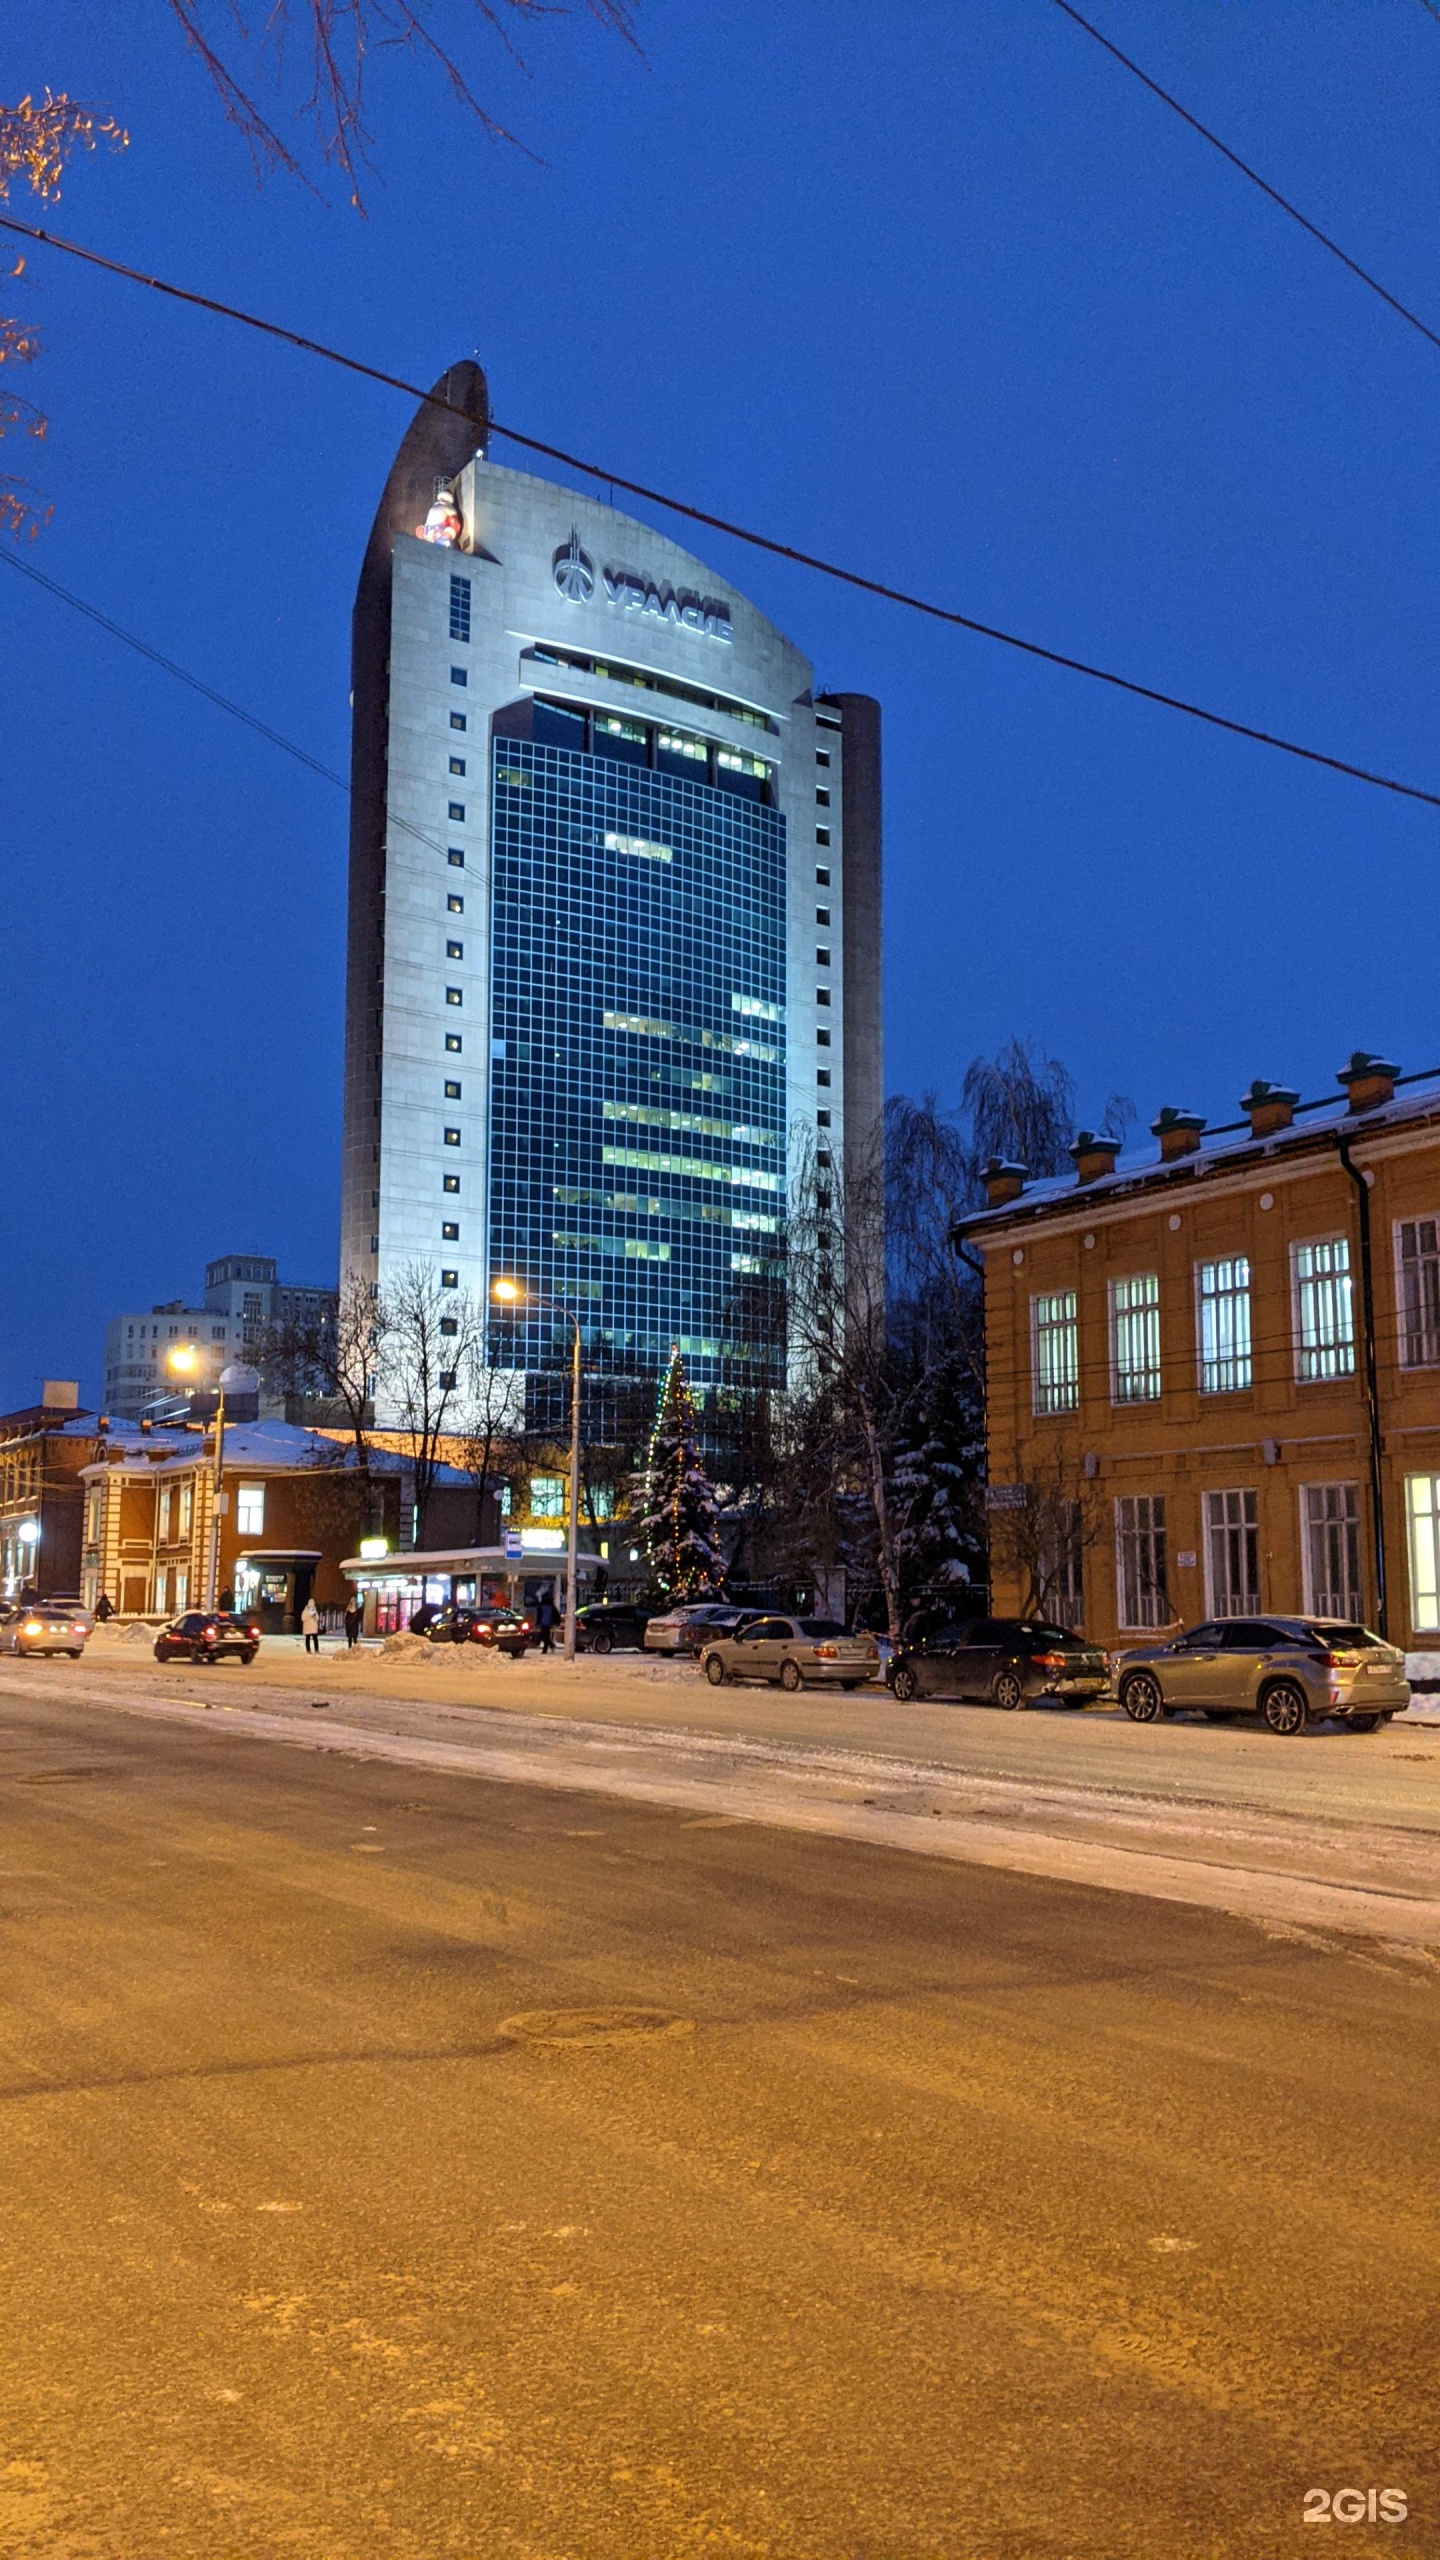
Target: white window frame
[(1059, 1391), (1341, 1498), (1341, 1282), (250, 1511), (1422, 1549), (1141, 1516), (1233, 1346), (1231, 1521), (182, 1588), (1426, 1330), (552, 1506), (1135, 1382)]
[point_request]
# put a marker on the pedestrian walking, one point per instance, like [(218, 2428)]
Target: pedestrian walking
[(547, 1619), (104, 1607), (310, 1621), (354, 1621)]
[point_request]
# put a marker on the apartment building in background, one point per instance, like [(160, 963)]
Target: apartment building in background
[(244, 1296), (614, 934), (1214, 1372)]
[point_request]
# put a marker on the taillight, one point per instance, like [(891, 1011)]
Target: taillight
[(524, 1626), (1328, 1661), (827, 1653), (1049, 1661)]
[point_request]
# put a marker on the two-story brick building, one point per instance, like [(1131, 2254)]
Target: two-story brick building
[(1214, 1371)]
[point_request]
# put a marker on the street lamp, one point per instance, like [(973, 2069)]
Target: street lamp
[(184, 1360), (513, 1293)]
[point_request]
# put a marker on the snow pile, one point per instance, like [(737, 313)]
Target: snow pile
[(137, 1633), (407, 1648)]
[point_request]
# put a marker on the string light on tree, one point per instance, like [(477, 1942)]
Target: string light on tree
[(681, 1520)]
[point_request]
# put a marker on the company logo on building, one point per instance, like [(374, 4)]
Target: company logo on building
[(574, 573), (574, 570)]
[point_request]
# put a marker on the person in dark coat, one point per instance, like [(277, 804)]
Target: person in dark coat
[(104, 1607), (547, 1619), (354, 1621)]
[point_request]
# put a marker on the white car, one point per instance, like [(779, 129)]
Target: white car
[(680, 1630), (43, 1626)]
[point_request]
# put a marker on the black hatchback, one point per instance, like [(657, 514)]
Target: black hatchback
[(1002, 1660), (611, 1626)]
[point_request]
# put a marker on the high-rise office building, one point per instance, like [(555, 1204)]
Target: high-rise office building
[(614, 917)]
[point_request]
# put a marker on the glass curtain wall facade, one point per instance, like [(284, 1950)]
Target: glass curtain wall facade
[(637, 1086)]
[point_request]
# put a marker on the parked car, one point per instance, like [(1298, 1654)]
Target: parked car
[(1004, 1660), (611, 1626), (502, 1630), (793, 1651), (1294, 1670), (42, 1626), (678, 1630), (204, 1635)]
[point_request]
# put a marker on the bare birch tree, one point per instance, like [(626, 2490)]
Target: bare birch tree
[(430, 1339)]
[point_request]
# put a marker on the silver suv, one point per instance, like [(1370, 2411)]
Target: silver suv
[(1295, 1670)]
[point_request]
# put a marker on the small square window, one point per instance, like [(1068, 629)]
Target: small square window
[(822, 1039), (822, 755), (822, 959), (457, 764), (822, 995), (822, 1119), (822, 799), (458, 720), (455, 858), (822, 877), (450, 1232), (449, 1279), (452, 1090), (449, 1324), (454, 950), (822, 834), (457, 811), (453, 996), (453, 1044), (450, 1182), (458, 675), (447, 1380), (822, 915), (454, 906), (452, 1137), (822, 1075)]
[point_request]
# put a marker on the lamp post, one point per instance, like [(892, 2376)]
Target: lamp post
[(185, 1362), (514, 1294)]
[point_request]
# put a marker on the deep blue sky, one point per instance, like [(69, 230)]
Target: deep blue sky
[(932, 287)]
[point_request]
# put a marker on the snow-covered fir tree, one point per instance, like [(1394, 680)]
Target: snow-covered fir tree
[(680, 1521)]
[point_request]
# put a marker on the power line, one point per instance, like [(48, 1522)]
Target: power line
[(1400, 309), (738, 532), (197, 684)]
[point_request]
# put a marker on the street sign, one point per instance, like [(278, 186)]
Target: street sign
[(1006, 1497), (513, 1547)]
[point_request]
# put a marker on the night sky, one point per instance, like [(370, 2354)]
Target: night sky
[(934, 289)]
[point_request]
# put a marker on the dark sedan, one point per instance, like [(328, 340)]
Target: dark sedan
[(1002, 1660), (204, 1635), (611, 1626), (502, 1630)]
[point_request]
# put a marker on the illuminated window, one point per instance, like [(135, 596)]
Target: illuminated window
[(249, 1510), (1223, 1293), (452, 1137), (1324, 1316), (458, 720), (453, 996), (455, 858), (1135, 1338), (1055, 1343), (457, 764), (452, 1090), (457, 812), (450, 1181), (1141, 1565), (454, 906), (450, 1233), (547, 1497), (449, 1279), (453, 1043)]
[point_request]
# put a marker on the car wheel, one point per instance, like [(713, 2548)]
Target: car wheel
[(602, 1641), (249, 1654), (1008, 1689), (1142, 1699), (902, 1685), (1363, 1724), (790, 1676), (715, 1671), (76, 1651), (1285, 1708)]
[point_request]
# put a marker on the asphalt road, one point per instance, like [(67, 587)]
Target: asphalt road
[(399, 2171)]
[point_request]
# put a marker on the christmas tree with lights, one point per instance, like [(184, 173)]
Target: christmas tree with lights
[(680, 1522)]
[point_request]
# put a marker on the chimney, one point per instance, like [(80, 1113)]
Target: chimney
[(61, 1395), (1268, 1107), (1003, 1182), (1178, 1132), (1094, 1157), (1368, 1080)]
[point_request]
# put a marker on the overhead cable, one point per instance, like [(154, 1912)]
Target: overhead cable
[(1401, 310), (853, 578)]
